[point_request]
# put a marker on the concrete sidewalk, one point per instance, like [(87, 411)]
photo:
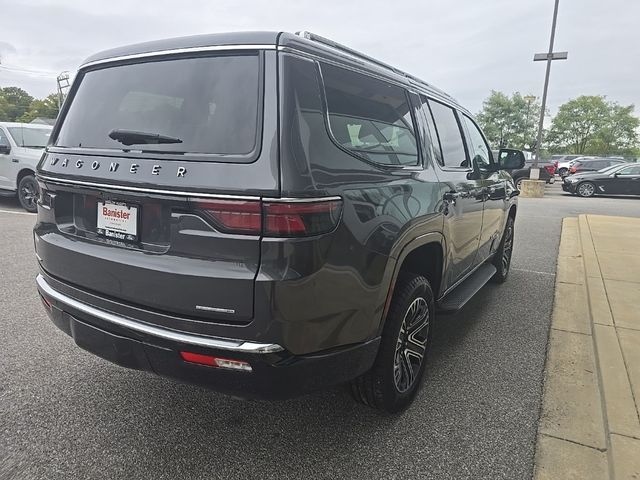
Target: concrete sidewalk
[(589, 425)]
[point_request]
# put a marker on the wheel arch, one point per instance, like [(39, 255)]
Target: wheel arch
[(424, 255), (23, 173)]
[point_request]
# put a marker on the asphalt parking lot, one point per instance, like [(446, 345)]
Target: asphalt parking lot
[(67, 414)]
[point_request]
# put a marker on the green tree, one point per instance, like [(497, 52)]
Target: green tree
[(46, 108), (591, 125), (17, 102), (509, 121)]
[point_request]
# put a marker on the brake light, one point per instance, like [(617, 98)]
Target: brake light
[(551, 169), (291, 218), (233, 216), (301, 218), (573, 169)]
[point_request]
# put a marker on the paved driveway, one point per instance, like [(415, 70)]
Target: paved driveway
[(67, 414)]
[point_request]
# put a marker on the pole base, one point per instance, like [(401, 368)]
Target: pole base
[(532, 188)]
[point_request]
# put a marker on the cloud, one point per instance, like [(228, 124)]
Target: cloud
[(465, 47)]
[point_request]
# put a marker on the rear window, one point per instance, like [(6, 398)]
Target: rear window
[(370, 117), (203, 105)]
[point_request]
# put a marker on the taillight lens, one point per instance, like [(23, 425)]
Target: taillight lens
[(573, 169), (301, 218), (233, 216), (271, 218)]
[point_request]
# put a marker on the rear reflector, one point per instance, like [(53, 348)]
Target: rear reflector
[(218, 362), (46, 303), (271, 218)]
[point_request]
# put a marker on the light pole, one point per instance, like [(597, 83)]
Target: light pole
[(549, 57), (529, 99)]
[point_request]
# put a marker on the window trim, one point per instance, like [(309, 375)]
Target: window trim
[(419, 165), (241, 159)]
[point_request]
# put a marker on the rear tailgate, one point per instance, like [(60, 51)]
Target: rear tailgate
[(127, 223)]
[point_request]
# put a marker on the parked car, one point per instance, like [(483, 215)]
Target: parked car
[(547, 172), (563, 163), (593, 164), (266, 214), (21, 146), (619, 179)]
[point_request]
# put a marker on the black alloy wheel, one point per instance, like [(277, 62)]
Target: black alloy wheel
[(28, 193), (502, 257), (398, 370)]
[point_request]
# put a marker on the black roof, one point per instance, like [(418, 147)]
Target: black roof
[(281, 39)]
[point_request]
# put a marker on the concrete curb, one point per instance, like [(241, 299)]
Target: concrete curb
[(589, 423)]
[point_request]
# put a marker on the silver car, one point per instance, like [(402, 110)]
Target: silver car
[(21, 146)]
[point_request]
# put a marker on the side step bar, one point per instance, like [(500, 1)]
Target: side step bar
[(459, 296)]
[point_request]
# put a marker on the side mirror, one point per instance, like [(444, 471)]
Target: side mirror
[(5, 149), (510, 159)]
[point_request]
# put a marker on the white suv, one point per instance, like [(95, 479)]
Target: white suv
[(21, 146)]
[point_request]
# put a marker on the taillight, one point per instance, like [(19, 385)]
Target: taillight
[(233, 216), (573, 169), (290, 218), (551, 169)]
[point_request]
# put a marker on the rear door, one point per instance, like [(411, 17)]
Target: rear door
[(463, 202), (151, 191)]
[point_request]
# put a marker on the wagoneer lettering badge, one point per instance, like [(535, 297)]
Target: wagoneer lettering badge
[(113, 166)]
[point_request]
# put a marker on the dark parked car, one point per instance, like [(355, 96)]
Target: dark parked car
[(266, 214), (621, 179), (593, 164), (547, 172)]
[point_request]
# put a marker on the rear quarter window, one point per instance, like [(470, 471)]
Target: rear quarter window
[(369, 117)]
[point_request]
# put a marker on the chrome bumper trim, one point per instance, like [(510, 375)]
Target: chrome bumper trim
[(201, 341)]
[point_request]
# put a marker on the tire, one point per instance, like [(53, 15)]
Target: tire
[(586, 189), (519, 183), (562, 171), (28, 193), (398, 370), (502, 257)]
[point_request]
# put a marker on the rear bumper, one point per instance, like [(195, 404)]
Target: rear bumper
[(275, 373)]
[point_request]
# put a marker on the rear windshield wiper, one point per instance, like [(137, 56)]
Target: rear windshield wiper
[(131, 137)]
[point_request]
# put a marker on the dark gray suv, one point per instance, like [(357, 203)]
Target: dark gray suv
[(266, 214)]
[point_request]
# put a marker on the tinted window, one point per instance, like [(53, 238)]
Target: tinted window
[(451, 142), (633, 170), (478, 148), (209, 103), (369, 117), (3, 139)]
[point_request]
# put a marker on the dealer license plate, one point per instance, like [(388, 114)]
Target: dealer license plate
[(118, 220)]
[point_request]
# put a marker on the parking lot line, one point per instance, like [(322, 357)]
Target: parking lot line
[(16, 213)]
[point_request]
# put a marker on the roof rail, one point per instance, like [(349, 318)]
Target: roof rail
[(338, 46)]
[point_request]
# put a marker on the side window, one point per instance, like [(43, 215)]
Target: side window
[(478, 148), (450, 136), (370, 117), (424, 105), (3, 138), (633, 170)]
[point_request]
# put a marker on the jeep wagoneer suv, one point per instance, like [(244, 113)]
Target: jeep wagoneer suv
[(266, 214)]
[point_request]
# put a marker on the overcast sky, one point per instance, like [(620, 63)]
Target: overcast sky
[(466, 47)]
